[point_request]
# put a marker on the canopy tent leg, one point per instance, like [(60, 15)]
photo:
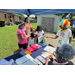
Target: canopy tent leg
[(29, 27)]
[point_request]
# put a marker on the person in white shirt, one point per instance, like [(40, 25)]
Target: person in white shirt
[(64, 34), (39, 33)]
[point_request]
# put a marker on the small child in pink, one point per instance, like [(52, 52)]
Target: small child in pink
[(22, 38)]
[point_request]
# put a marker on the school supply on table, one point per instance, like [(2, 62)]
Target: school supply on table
[(39, 46), (34, 47), (30, 49), (41, 41), (40, 58), (31, 58), (45, 54), (37, 61), (27, 52), (25, 60), (49, 48)]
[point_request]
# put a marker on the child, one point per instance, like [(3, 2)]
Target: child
[(32, 33), (63, 34), (39, 33), (32, 38), (22, 38)]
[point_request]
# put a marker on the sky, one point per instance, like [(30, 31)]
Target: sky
[(30, 15)]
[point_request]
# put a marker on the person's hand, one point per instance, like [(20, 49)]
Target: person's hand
[(47, 58), (29, 35), (51, 56)]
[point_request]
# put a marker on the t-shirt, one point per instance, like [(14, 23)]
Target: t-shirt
[(39, 33), (63, 36), (19, 31), (32, 35), (28, 25)]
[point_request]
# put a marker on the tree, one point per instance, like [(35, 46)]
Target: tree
[(70, 17), (35, 17)]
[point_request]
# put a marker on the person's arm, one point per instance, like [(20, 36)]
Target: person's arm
[(47, 59), (70, 39), (70, 36), (55, 37), (47, 62), (52, 37), (23, 38)]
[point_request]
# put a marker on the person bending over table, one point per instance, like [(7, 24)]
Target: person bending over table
[(22, 38), (63, 54)]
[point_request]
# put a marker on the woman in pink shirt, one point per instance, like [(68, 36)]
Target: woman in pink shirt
[(22, 38)]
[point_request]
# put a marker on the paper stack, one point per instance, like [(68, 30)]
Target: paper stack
[(49, 48)]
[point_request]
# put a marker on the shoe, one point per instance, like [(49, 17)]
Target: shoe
[(21, 49)]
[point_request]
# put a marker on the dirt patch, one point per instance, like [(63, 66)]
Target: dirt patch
[(51, 41)]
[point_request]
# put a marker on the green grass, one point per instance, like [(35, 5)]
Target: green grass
[(8, 41), (34, 25)]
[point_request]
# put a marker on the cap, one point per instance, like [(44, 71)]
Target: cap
[(21, 24)]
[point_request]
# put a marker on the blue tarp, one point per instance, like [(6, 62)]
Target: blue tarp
[(38, 11)]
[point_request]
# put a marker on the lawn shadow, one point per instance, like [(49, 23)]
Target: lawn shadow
[(16, 51)]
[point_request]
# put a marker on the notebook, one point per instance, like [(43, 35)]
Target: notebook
[(42, 43), (49, 48)]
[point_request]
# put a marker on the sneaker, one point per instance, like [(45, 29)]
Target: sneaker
[(21, 49)]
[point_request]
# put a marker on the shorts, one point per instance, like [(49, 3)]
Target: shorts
[(24, 46)]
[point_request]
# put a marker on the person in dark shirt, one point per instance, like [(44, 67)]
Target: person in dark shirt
[(32, 33), (32, 38)]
